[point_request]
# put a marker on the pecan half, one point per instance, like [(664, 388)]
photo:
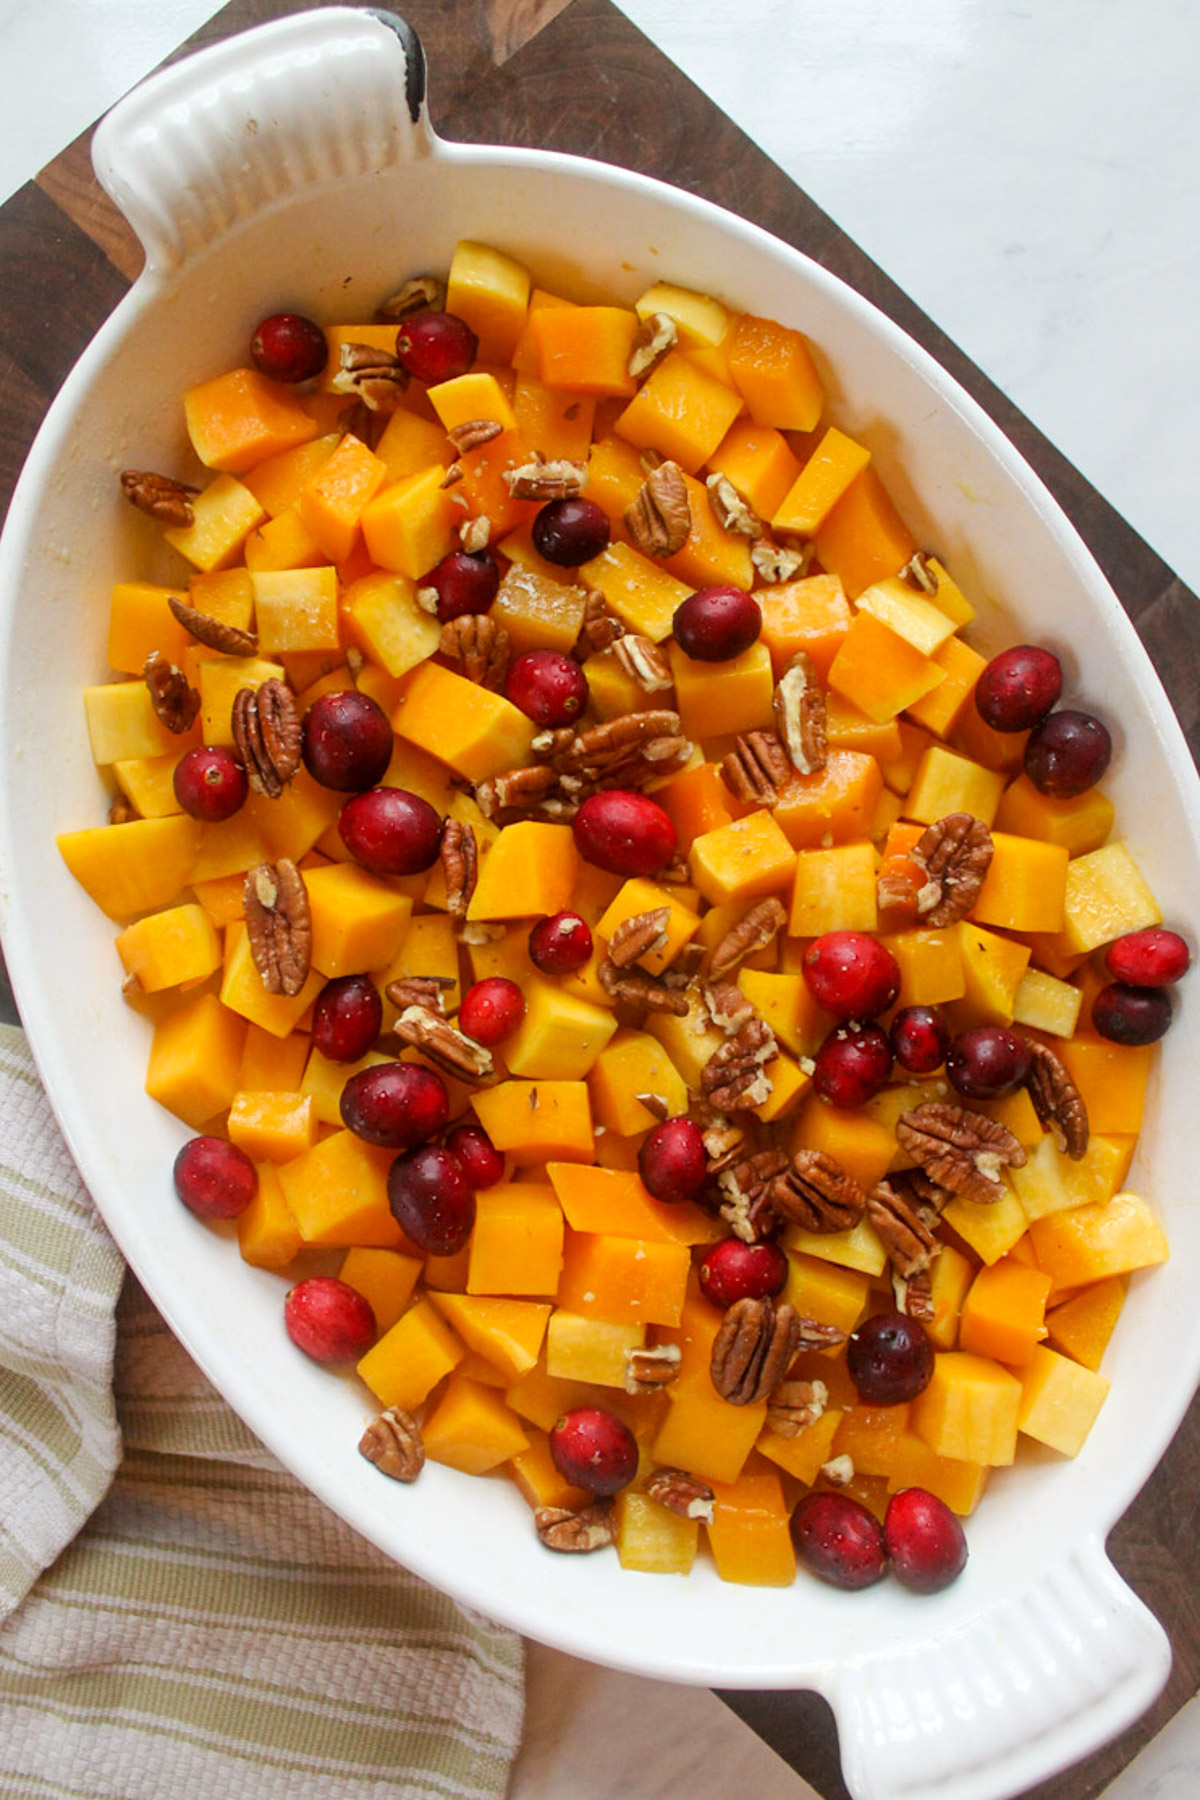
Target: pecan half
[(682, 1493), (267, 736), (760, 927), (914, 1295), (644, 663), (375, 377), (746, 1194), (175, 701), (734, 1078), (416, 295), (460, 865), (394, 1444), (428, 991), (955, 854), (443, 1044), (799, 704), (560, 479), (779, 562), (793, 1405), (472, 433), (961, 1150), (816, 1335), (600, 629), (480, 647), (639, 936), (660, 519), (724, 1142), (631, 987), (164, 498), (214, 634), (278, 925), (1057, 1101), (910, 1243), (521, 794), (817, 1194), (576, 1532), (650, 1367), (654, 338), (756, 768), (752, 1350), (733, 513)]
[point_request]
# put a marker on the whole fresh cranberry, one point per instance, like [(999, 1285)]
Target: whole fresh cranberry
[(839, 1540), (482, 1163), (328, 1319), (432, 1200), (491, 1010), (988, 1061), (890, 1359), (1018, 687), (672, 1161), (1067, 753), (1131, 1015), (925, 1541), (389, 831), (570, 532), (717, 623), (347, 1016), (549, 688), (560, 944), (395, 1104), (465, 581), (214, 1179), (852, 1064), (625, 832), (851, 974), (593, 1449), (347, 741), (919, 1037), (732, 1270), (436, 346), (1150, 958), (289, 347), (210, 784)]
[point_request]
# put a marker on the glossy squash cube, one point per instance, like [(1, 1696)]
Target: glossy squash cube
[(358, 920), (337, 1193), (507, 1334), (681, 411), (749, 1536), (194, 1059), (833, 890), (1060, 1399), (167, 948), (945, 783), (538, 1121), (1026, 885), (530, 871), (266, 1231), (409, 1360), (614, 1202), (539, 611), (639, 591), (1106, 896), (821, 483), (595, 1350), (382, 614), (1004, 1312), (832, 805), (969, 1410), (811, 615), (745, 860), (773, 371), (272, 1127), (703, 1433), (634, 1064), (585, 349), (476, 732), (241, 418), (386, 1279), (560, 1036), (720, 699), (625, 1280), (1081, 1244), (411, 524), (491, 292), (1081, 1327), (651, 1538), (517, 1245), (759, 462), (863, 538)]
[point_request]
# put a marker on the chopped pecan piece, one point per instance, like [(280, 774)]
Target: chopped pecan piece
[(267, 736), (122, 811), (838, 1471), (753, 1349), (451, 478), (460, 865), (479, 646), (644, 663), (375, 377), (560, 479), (793, 1405), (733, 513), (724, 1143), (817, 1194), (746, 1194), (756, 768), (521, 794), (633, 988), (600, 629), (914, 1295), (475, 534), (427, 991), (918, 573), (779, 562), (443, 1044), (654, 338), (651, 1367), (577, 1532), (164, 498), (214, 634), (394, 1444), (416, 295), (955, 854), (639, 936), (910, 1243), (278, 925), (472, 433), (799, 704), (816, 1335), (760, 927), (1057, 1101), (660, 519), (734, 1078), (961, 1150), (175, 701), (728, 1007), (682, 1493)]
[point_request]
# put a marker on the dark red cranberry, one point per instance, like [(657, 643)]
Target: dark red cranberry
[(432, 1200), (482, 1163), (289, 347), (465, 581), (215, 1179), (988, 1061), (395, 1104), (1067, 753), (210, 784), (919, 1037), (560, 944), (328, 1319), (890, 1359), (491, 1010), (549, 687), (1018, 687), (593, 1449), (625, 832), (1131, 1015), (436, 346), (570, 532), (851, 974), (732, 1270), (839, 1540), (717, 623), (672, 1161), (391, 832), (852, 1064), (925, 1541), (347, 1017), (1151, 958), (347, 741)]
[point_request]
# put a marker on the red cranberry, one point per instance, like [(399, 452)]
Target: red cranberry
[(919, 1037), (889, 1358), (328, 1319), (396, 1104), (465, 581), (391, 832), (215, 1179), (672, 1161), (732, 1270), (491, 1010), (560, 944), (593, 1449), (549, 687), (1067, 754), (210, 784), (925, 1541), (436, 346), (717, 623), (347, 1017), (839, 1540), (625, 832), (570, 532), (1018, 687), (432, 1200), (1151, 958), (852, 1064), (347, 741), (1131, 1015), (289, 347), (482, 1163), (851, 974), (987, 1062)]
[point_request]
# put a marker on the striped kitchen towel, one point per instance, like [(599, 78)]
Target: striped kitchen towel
[(178, 1615)]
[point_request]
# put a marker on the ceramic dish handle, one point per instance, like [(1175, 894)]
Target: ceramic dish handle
[(215, 139), (986, 1709)]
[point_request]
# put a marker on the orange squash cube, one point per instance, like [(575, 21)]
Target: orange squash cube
[(1080, 824), (868, 1435), (538, 1121), (508, 1334), (1111, 1078), (940, 710), (282, 543), (491, 292), (863, 538), (969, 1410), (471, 1428), (719, 699), (834, 803), (331, 504), (540, 1483), (640, 592), (194, 1059), (811, 615), (826, 1291), (681, 412), (833, 890), (272, 1127), (1003, 1315), (1025, 886), (745, 860), (585, 348), (139, 622), (946, 783), (846, 728), (530, 871), (276, 483), (1081, 1327), (538, 611), (477, 395), (266, 1231), (410, 525), (1089, 1243), (860, 1143), (773, 371), (409, 444), (386, 1279), (270, 1064), (517, 1244), (358, 920), (1059, 1401), (711, 556), (821, 483), (931, 965), (804, 1455), (561, 1035), (787, 1005), (383, 617), (696, 800), (614, 1203), (632, 1280), (703, 1433), (554, 422), (242, 990), (167, 948), (634, 1063), (476, 732), (337, 1194), (759, 462), (960, 1484), (879, 671), (240, 419), (749, 1535), (409, 1360)]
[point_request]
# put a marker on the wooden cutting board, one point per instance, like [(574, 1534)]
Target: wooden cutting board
[(524, 72)]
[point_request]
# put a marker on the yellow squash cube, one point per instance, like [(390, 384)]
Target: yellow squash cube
[(530, 871), (517, 1244), (122, 724), (720, 699), (194, 1060), (411, 1358), (384, 616), (597, 1350), (641, 594), (508, 1334), (476, 732), (337, 1193), (272, 1127), (1059, 1401), (538, 1121), (560, 1036), (909, 614), (386, 1279), (358, 920), (745, 860), (833, 890), (410, 525), (471, 1428), (1025, 886), (167, 948), (634, 1064), (945, 783), (1079, 824), (296, 609), (969, 1409), (1106, 896), (651, 1538), (266, 1231), (823, 480), (491, 292)]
